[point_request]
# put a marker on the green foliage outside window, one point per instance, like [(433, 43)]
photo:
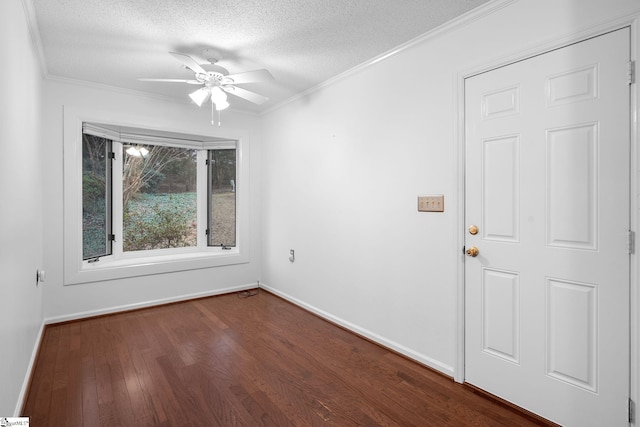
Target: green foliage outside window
[(160, 221)]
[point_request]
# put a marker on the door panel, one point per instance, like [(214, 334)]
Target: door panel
[(501, 195), (572, 212), (501, 314), (572, 334), (547, 184)]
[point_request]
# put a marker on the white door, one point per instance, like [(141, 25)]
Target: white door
[(547, 186)]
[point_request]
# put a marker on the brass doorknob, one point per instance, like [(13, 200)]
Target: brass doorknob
[(473, 251), (473, 229)]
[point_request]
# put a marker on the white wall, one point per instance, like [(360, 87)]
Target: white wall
[(21, 203), (67, 302), (343, 167)]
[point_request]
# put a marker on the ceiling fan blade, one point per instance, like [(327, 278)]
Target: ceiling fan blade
[(191, 82), (189, 62), (245, 94), (248, 77)]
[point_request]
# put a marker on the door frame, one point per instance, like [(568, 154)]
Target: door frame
[(631, 21)]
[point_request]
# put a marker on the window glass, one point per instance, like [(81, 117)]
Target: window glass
[(159, 197), (96, 196), (222, 198)]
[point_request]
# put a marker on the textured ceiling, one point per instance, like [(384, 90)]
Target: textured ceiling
[(301, 42)]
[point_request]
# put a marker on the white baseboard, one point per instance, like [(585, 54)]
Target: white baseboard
[(420, 358), (127, 307), (30, 368)]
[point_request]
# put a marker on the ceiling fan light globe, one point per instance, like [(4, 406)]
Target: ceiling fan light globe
[(222, 105), (200, 96), (218, 95)]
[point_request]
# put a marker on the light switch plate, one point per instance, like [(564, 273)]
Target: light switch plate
[(433, 203)]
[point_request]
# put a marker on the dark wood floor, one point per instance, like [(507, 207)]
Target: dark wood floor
[(227, 361)]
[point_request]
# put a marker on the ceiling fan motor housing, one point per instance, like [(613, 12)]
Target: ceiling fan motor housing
[(211, 55)]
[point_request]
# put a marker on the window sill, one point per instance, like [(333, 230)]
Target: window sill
[(110, 269)]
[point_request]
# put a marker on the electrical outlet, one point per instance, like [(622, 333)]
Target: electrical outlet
[(434, 203), (40, 276)]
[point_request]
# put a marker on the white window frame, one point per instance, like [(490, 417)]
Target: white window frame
[(130, 264)]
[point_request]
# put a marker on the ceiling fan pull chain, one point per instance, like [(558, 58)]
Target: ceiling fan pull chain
[(212, 120)]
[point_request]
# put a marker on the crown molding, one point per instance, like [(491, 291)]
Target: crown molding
[(465, 19), (34, 31), (115, 89)]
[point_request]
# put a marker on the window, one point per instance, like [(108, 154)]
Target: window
[(150, 202), (157, 194), (96, 196), (222, 198)]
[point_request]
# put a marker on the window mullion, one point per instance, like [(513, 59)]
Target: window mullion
[(202, 199), (238, 191), (110, 160)]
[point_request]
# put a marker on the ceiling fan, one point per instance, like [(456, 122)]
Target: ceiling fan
[(217, 82)]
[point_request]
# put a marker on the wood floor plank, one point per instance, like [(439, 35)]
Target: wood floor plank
[(107, 414), (61, 369), (42, 379), (230, 361), (90, 409), (58, 412), (75, 388), (166, 406), (140, 405), (121, 400)]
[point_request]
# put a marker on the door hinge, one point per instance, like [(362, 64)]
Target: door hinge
[(112, 237), (112, 155), (631, 406), (631, 73), (632, 242)]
